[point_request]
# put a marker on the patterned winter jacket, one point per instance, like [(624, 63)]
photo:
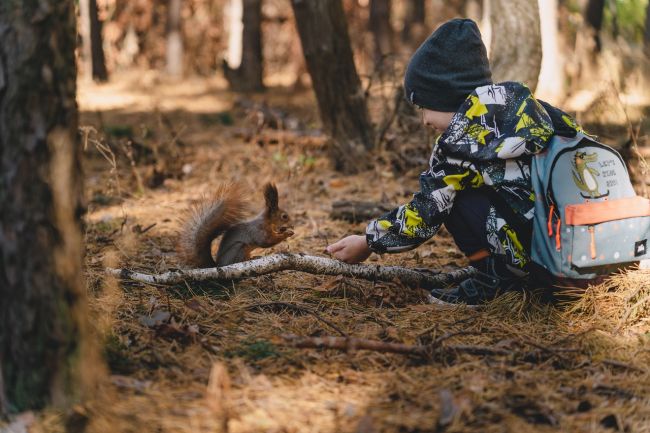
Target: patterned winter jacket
[(489, 143)]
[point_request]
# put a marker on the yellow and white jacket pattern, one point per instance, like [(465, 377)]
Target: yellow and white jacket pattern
[(488, 144)]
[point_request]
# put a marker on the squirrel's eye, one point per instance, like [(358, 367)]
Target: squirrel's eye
[(284, 217)]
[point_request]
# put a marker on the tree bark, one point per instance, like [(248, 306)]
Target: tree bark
[(379, 25), (516, 46), (594, 17), (551, 75), (474, 10), (414, 20), (302, 263), (646, 34), (322, 27), (99, 61), (94, 62), (43, 345), (174, 39), (243, 66)]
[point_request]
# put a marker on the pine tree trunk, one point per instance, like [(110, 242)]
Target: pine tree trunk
[(322, 27), (516, 46), (43, 348), (474, 10), (379, 25), (594, 17), (646, 34), (94, 63), (99, 61), (412, 32), (174, 39), (243, 66), (551, 76)]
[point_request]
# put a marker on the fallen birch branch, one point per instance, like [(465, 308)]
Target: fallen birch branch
[(351, 344), (303, 263)]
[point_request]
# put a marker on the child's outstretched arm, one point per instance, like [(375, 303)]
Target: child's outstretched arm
[(410, 225)]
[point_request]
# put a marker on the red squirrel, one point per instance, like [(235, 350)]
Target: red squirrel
[(225, 214)]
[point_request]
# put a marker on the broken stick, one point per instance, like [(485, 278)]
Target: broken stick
[(351, 343), (303, 263)]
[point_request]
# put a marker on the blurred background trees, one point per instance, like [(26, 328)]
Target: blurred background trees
[(253, 43), (516, 44), (567, 46), (90, 30), (326, 44)]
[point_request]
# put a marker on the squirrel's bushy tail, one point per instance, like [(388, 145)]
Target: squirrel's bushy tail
[(206, 220)]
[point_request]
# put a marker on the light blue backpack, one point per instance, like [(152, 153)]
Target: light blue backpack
[(588, 219)]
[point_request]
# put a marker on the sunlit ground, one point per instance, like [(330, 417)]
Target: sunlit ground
[(216, 363)]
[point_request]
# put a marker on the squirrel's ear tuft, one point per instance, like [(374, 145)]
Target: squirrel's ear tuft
[(271, 197)]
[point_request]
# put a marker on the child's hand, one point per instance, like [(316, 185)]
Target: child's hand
[(351, 249)]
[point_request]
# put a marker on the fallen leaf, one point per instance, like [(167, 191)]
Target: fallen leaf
[(157, 318), (126, 382), (448, 408), (194, 304)]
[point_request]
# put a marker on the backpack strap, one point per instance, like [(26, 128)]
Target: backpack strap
[(560, 126)]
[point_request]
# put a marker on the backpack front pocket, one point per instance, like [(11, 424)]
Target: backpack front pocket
[(608, 232)]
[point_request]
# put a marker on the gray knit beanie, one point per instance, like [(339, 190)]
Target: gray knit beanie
[(447, 67)]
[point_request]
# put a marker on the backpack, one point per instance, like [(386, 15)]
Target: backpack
[(588, 219)]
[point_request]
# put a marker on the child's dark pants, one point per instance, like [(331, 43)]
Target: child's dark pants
[(467, 221)]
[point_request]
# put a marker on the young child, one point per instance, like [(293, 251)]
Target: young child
[(478, 180)]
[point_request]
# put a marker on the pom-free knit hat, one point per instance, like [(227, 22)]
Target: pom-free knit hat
[(447, 67)]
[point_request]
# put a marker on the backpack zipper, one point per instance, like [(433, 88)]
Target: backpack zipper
[(592, 244), (549, 221)]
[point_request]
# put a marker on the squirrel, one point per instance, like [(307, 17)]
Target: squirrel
[(224, 214)]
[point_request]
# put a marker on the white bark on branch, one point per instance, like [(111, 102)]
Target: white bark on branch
[(303, 263)]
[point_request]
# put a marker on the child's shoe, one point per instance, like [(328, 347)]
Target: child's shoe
[(493, 277)]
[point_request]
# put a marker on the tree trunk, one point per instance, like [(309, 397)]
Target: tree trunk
[(99, 61), (94, 63), (43, 349), (551, 76), (174, 39), (516, 47), (474, 10), (243, 66), (325, 42), (584, 64), (379, 25), (451, 8), (594, 17), (646, 34), (414, 18)]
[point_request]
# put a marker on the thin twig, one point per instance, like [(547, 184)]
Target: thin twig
[(643, 164), (437, 325), (351, 344), (550, 351), (449, 335), (620, 364), (573, 336)]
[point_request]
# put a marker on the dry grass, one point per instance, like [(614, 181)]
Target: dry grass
[(213, 363)]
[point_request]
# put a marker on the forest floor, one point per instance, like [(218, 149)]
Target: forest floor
[(208, 357)]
